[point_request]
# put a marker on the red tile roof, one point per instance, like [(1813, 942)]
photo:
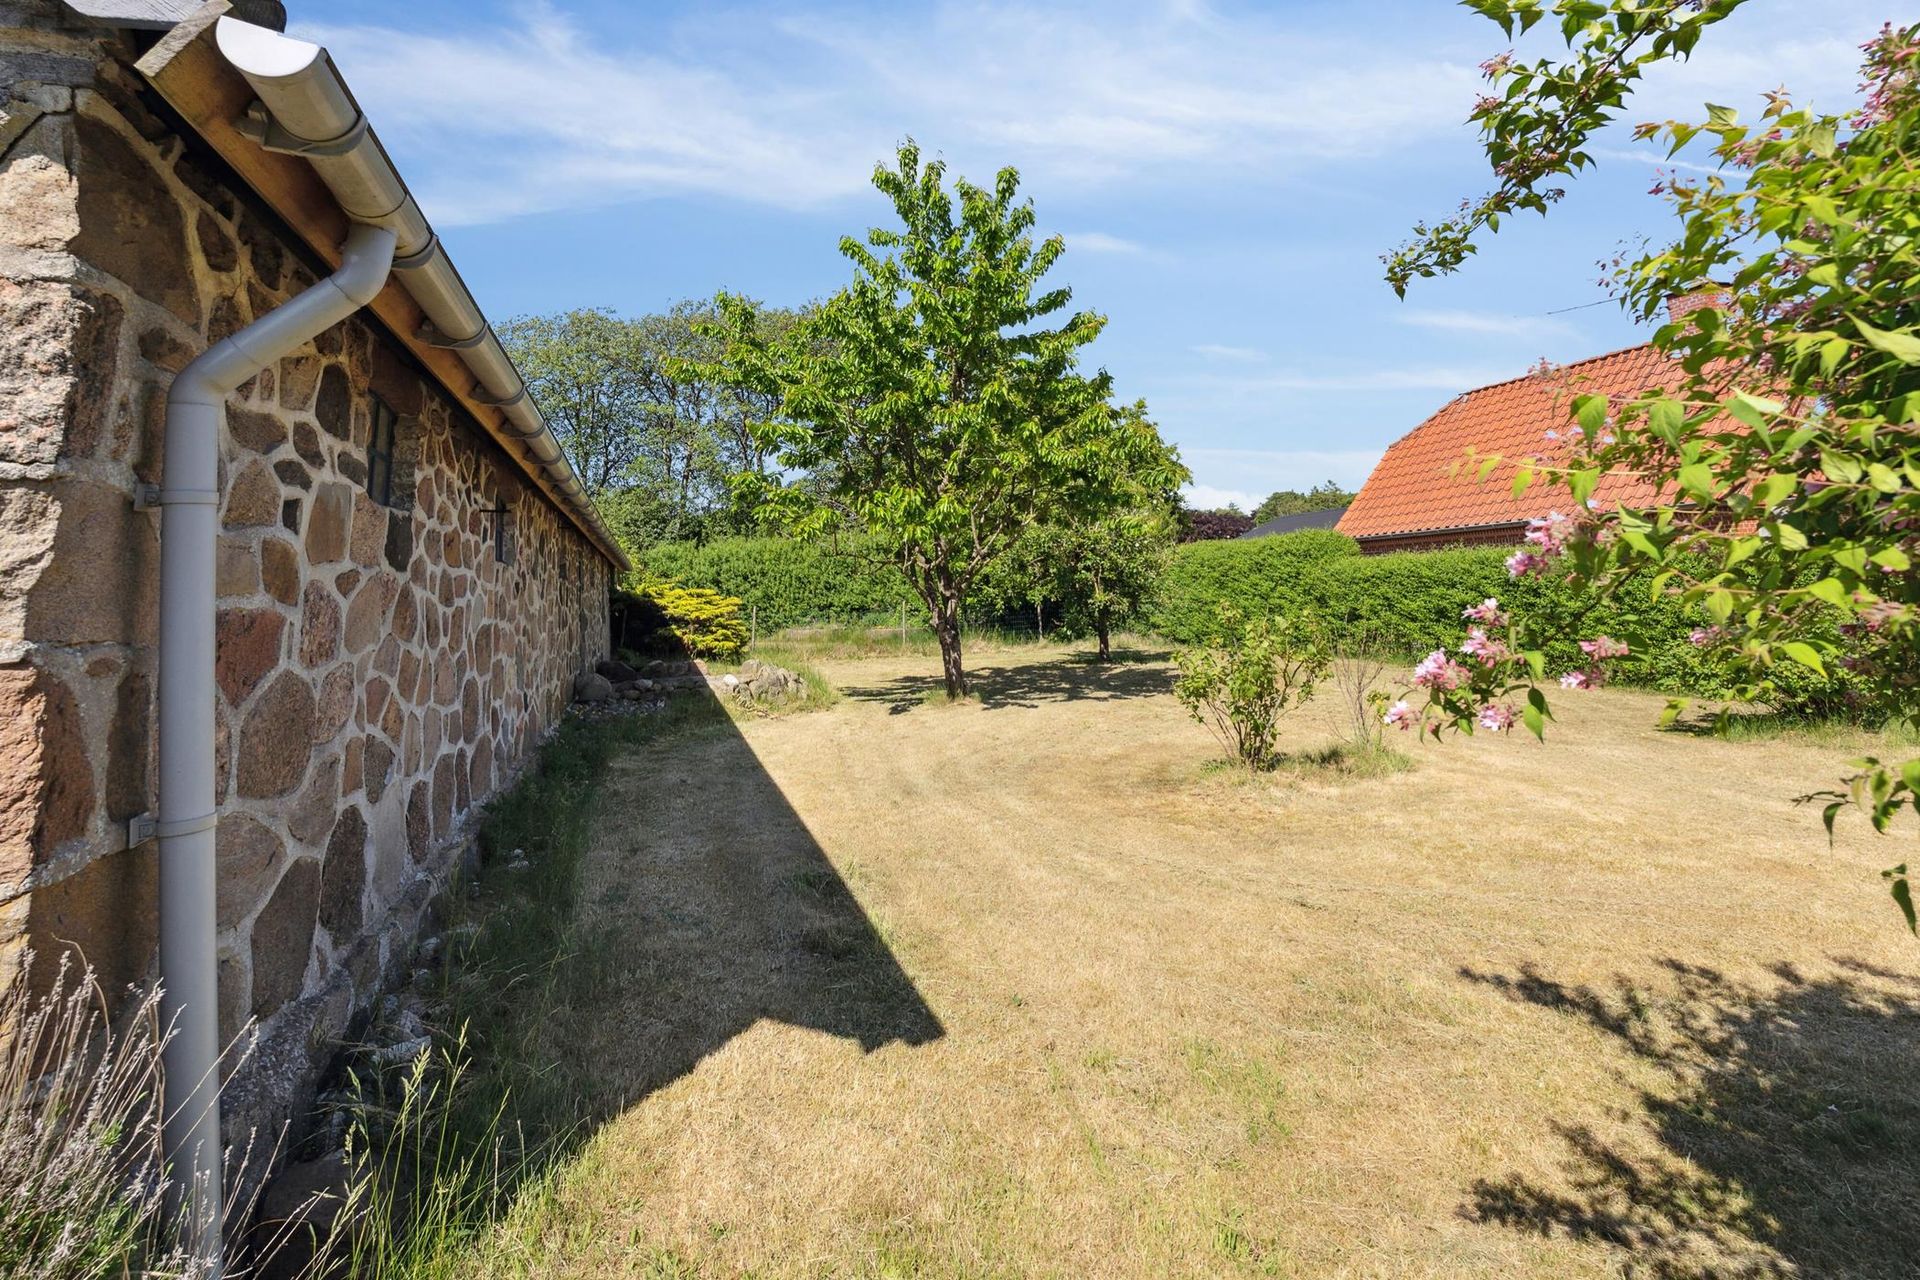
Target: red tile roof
[(1412, 491)]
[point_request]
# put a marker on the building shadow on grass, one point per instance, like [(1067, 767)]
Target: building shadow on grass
[(1134, 673), (715, 908), (702, 906), (1785, 1140)]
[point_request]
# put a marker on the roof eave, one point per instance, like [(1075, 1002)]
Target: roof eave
[(213, 98)]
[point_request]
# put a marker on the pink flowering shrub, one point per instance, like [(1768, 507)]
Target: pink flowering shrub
[(1499, 688)]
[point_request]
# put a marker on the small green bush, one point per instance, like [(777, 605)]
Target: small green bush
[(698, 620), (1247, 675)]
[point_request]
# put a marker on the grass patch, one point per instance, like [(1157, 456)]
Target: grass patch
[(853, 643), (1349, 760), (444, 1145)]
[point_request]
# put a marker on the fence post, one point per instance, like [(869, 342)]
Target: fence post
[(903, 624), (753, 624)]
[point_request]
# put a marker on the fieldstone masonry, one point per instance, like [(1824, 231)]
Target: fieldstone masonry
[(380, 672)]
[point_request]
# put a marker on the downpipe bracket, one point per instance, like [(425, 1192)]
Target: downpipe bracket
[(151, 497), (259, 125)]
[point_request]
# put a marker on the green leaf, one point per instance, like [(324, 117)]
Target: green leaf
[(1902, 346), (1832, 353), (1666, 417), (1804, 654), (1759, 404), (1591, 412), (1840, 466), (1522, 478), (1892, 558), (1697, 479), (1833, 591), (1902, 891)]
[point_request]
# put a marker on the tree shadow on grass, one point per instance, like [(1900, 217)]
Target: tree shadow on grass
[(1786, 1141), (1134, 673)]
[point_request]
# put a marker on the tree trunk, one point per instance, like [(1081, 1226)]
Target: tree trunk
[(946, 628), (1104, 631)]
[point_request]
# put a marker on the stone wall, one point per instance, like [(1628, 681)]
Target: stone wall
[(380, 671)]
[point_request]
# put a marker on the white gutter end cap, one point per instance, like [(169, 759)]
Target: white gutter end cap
[(260, 53)]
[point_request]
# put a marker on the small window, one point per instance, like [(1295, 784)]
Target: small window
[(380, 454), (503, 534)]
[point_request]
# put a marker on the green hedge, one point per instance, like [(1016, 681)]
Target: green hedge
[(1260, 575), (1409, 603), (785, 582)]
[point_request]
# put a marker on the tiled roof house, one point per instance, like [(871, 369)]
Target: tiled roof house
[(1423, 494)]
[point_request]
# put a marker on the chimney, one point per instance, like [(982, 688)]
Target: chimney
[(1706, 294)]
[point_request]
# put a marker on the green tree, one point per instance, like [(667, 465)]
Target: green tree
[(633, 402), (1108, 569), (928, 406), (1292, 502), (587, 370), (1785, 449)]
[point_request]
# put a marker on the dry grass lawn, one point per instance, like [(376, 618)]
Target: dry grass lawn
[(1025, 988)]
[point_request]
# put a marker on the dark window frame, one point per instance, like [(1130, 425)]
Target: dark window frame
[(382, 436), (502, 527)]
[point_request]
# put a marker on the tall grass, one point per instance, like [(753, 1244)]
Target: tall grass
[(81, 1191)]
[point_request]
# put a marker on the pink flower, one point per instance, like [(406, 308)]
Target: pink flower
[(1550, 533), (1498, 716), (1487, 611), (1523, 564), (1600, 648), (1701, 637), (1438, 671), (1482, 646), (1577, 680), (1399, 715)]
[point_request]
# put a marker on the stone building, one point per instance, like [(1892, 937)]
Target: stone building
[(407, 575)]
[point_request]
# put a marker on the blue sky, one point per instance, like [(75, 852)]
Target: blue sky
[(1226, 176)]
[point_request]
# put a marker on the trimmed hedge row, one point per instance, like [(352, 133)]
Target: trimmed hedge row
[(1410, 602), (786, 583), (1406, 603)]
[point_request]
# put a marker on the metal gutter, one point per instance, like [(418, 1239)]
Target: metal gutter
[(305, 110)]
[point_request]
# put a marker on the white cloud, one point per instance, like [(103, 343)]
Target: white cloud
[(1484, 322), (1239, 355), (761, 104), (1101, 242), (494, 120), (1205, 497)]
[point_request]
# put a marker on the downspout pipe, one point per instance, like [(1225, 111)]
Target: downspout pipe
[(189, 528)]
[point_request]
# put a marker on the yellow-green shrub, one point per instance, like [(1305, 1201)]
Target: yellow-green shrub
[(699, 620)]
